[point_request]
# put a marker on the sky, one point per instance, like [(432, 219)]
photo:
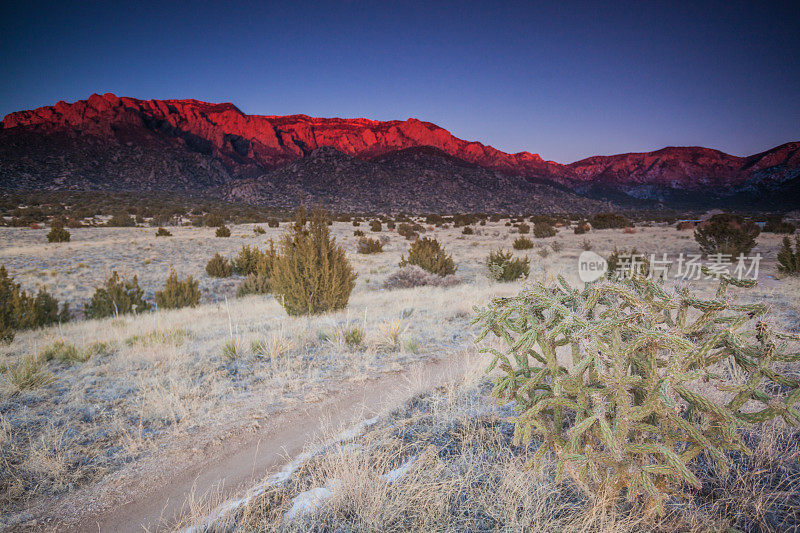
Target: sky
[(566, 80)]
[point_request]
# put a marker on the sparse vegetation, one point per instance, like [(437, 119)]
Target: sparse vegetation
[(311, 274), (523, 228), (369, 246), (272, 222), (219, 267), (428, 254), (258, 230), (503, 266), (178, 293), (163, 232), (613, 416), (58, 234), (223, 231), (542, 230), (522, 243), (727, 234), (788, 259), (117, 297)]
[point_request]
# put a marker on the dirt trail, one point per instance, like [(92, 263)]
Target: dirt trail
[(242, 464)]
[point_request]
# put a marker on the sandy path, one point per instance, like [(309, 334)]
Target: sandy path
[(245, 462)]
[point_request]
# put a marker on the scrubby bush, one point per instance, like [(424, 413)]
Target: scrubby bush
[(20, 311), (375, 226), (684, 225), (223, 231), (219, 267), (413, 276), (778, 225), (409, 231), (163, 232), (369, 246), (727, 234), (358, 233), (311, 274), (468, 230), (622, 263), (258, 230), (178, 293), (542, 230), (523, 229), (638, 406), (503, 266), (436, 220), (789, 260), (116, 297), (581, 228), (251, 260), (273, 222), (254, 284), (121, 220), (522, 243), (429, 255), (556, 246), (213, 221), (58, 234), (610, 221)]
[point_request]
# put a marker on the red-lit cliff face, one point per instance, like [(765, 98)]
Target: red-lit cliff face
[(124, 143), (267, 141)]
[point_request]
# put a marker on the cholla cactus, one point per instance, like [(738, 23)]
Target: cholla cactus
[(615, 379)]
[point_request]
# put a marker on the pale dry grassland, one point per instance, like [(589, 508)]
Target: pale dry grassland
[(178, 381)]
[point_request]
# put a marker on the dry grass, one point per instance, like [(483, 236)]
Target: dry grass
[(122, 390)]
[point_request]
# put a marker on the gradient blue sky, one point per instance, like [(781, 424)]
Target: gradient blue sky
[(563, 79)]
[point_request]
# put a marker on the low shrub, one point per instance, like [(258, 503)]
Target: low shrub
[(523, 229), (369, 246), (581, 228), (638, 407), (610, 221), (258, 230), (121, 220), (116, 297), (556, 246), (788, 259), (409, 231), (468, 230), (163, 232), (542, 230), (375, 226), (251, 260), (622, 263), (178, 293), (254, 284), (413, 276), (19, 311), (213, 221), (429, 255), (58, 234), (503, 266), (311, 274), (522, 243), (358, 233), (219, 267), (64, 352), (684, 225), (223, 231), (273, 222), (778, 225), (727, 234)]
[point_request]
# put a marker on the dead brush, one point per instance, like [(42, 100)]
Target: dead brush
[(389, 333), (273, 347)]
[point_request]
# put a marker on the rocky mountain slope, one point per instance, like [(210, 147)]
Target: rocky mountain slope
[(120, 143)]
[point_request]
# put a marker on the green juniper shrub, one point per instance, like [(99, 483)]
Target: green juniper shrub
[(358, 233), (258, 230), (58, 234), (121, 220), (356, 223), (727, 234), (273, 222), (19, 311), (468, 230), (223, 231), (429, 255), (254, 284), (543, 229), (390, 224), (504, 267), (311, 273), (522, 243), (213, 221), (409, 231), (219, 267), (789, 260), (257, 265), (636, 408), (116, 297), (375, 226), (163, 232), (523, 228), (778, 225), (610, 221), (434, 219), (369, 246), (178, 293)]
